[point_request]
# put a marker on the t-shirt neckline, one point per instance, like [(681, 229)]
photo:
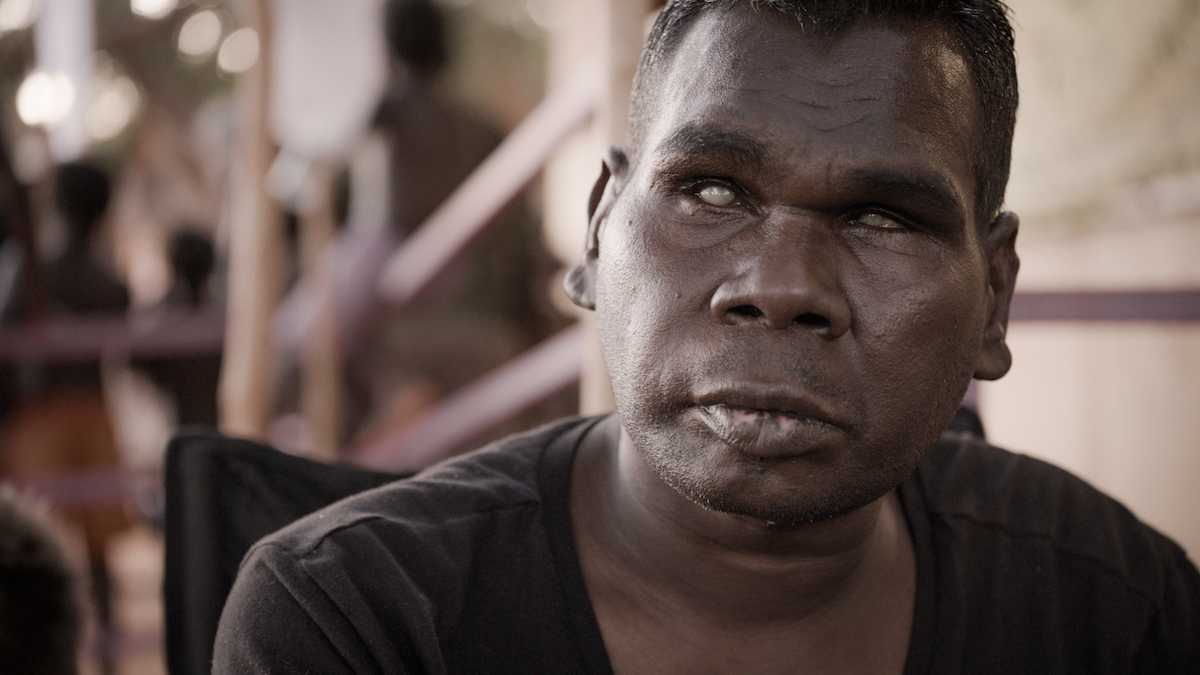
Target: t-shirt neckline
[(554, 484)]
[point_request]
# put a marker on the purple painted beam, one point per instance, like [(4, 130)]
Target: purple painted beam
[(1164, 305), (86, 338), (89, 488), (529, 378)]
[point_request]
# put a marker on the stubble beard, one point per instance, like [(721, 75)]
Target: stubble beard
[(755, 488), (849, 488)]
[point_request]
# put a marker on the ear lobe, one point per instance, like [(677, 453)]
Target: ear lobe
[(994, 357), (580, 281), (580, 284)]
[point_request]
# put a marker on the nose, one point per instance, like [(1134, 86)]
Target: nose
[(790, 280)]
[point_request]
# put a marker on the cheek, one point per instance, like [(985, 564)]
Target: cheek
[(917, 291), (648, 297), (644, 274), (631, 297), (919, 336)]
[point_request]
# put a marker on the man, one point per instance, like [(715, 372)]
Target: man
[(797, 267)]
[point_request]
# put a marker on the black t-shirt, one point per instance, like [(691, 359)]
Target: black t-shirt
[(470, 567)]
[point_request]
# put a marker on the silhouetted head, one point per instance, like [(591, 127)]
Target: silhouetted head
[(416, 32), (192, 260), (81, 195)]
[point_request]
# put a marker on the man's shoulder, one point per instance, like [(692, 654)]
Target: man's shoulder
[(458, 494), (982, 492), (441, 572)]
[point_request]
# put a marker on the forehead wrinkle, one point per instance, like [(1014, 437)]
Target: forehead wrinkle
[(835, 127), (815, 102)]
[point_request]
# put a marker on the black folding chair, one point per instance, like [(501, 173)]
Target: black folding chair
[(222, 495)]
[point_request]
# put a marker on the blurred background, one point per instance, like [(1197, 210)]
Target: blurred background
[(1106, 179), (339, 227)]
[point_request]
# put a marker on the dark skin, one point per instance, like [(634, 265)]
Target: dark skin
[(793, 290)]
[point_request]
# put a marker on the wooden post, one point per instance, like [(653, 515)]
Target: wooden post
[(624, 22), (247, 392), (321, 363)]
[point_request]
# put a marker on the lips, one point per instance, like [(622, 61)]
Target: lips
[(768, 422)]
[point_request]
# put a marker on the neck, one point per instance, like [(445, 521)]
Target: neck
[(737, 568)]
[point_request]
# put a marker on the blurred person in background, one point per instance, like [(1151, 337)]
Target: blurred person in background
[(434, 144), (493, 302), (76, 282), (191, 381), (60, 423), (41, 603)]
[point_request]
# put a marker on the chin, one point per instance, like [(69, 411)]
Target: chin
[(786, 493), (789, 511)]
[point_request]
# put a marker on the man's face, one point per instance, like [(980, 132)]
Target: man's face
[(791, 291)]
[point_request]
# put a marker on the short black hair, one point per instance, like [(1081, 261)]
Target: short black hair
[(192, 259), (81, 193), (416, 32), (41, 606), (981, 26)]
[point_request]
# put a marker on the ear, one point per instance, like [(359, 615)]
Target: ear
[(1000, 244), (580, 280)]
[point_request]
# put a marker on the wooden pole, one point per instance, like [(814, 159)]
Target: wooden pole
[(624, 27), (624, 22), (247, 391), (321, 363)]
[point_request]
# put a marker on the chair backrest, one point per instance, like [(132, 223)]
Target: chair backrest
[(222, 495)]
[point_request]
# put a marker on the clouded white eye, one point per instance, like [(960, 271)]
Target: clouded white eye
[(717, 195), (871, 219)]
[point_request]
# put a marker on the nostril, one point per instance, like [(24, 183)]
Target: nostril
[(747, 311), (813, 320)]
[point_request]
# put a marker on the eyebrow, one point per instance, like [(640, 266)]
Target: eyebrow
[(695, 138), (924, 189)]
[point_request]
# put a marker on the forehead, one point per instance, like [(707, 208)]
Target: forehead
[(895, 91)]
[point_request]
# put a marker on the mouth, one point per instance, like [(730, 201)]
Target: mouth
[(767, 423)]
